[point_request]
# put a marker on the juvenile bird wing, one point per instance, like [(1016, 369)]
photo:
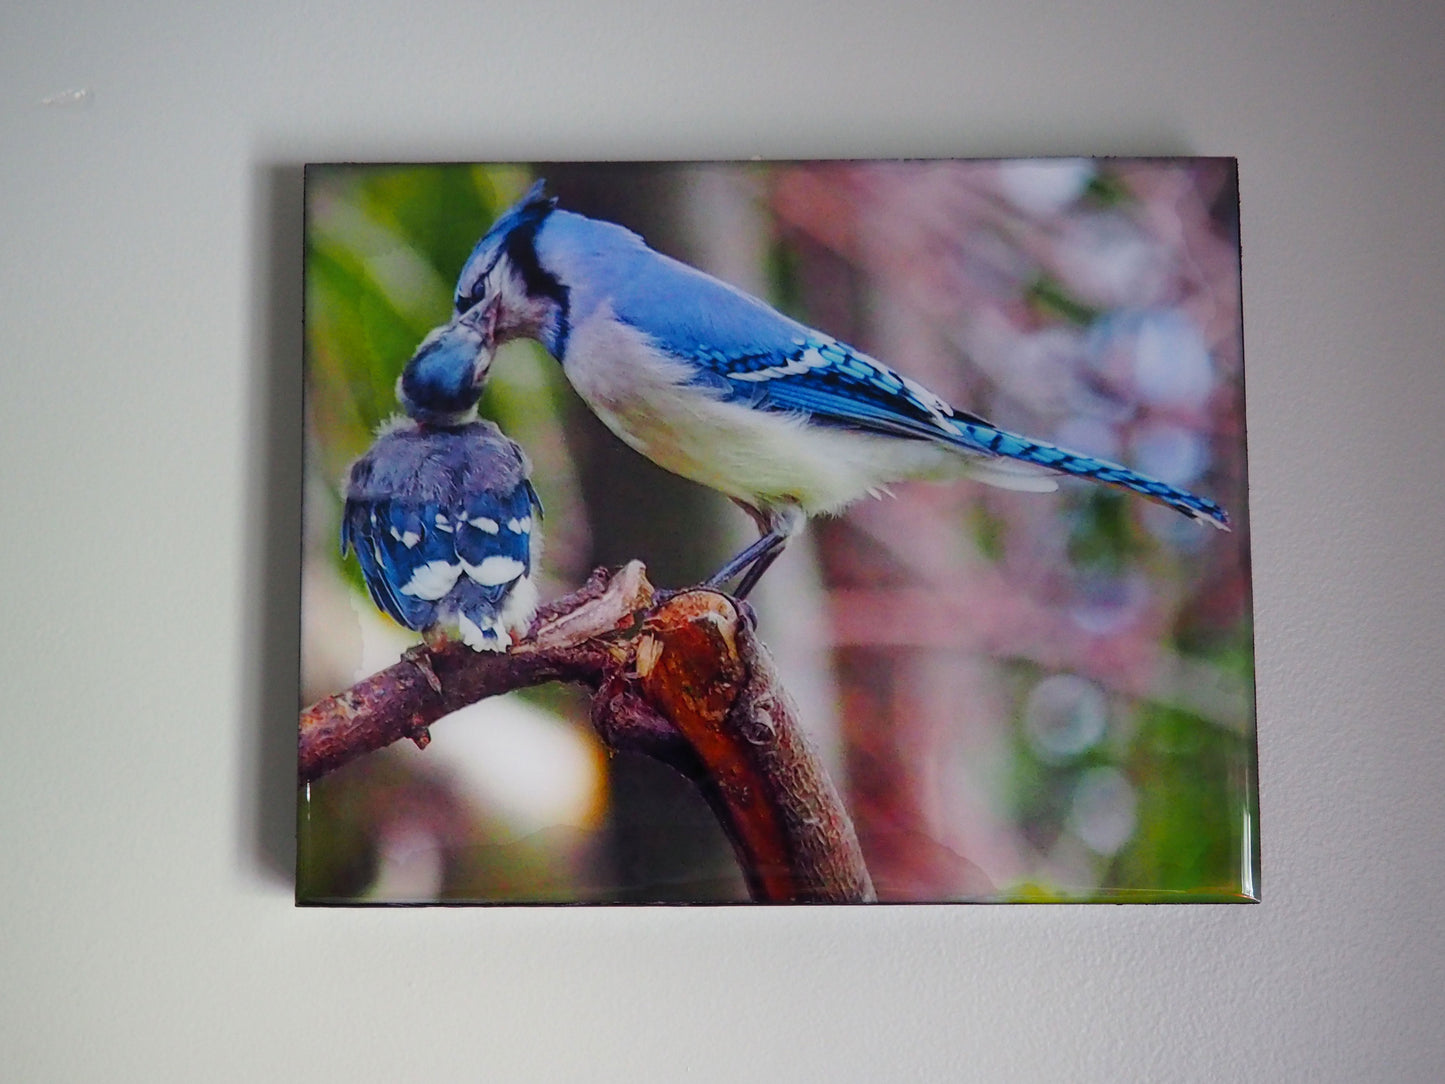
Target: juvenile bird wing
[(441, 523)]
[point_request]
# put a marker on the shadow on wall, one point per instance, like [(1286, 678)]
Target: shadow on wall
[(271, 585)]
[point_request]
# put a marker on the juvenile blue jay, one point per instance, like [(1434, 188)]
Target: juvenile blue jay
[(718, 387), (441, 522)]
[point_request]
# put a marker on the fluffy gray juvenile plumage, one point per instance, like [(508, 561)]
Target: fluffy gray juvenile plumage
[(441, 521)]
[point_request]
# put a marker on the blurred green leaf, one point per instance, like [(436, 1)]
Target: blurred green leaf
[(1190, 776), (1050, 297), (1106, 189)]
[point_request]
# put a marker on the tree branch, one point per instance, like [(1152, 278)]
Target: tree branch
[(706, 672), (694, 689), (428, 683)]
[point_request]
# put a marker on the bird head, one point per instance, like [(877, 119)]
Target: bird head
[(442, 382), (504, 288)]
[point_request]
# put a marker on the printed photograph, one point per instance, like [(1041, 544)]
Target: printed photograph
[(776, 532)]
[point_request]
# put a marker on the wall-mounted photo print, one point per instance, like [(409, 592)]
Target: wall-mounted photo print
[(776, 532)]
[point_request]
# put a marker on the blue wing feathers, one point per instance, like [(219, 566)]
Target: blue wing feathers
[(425, 509), (496, 527), (533, 497), (368, 534)]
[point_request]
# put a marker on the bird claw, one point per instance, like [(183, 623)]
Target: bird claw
[(418, 657), (745, 609)]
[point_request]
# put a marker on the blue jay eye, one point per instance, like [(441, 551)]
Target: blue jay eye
[(475, 296)]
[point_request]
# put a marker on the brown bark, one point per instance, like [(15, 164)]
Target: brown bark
[(694, 689), (428, 683), (703, 668)]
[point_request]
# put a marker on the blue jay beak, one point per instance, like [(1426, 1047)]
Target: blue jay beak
[(483, 319), (480, 326)]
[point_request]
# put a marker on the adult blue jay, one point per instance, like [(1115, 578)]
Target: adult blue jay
[(441, 522), (718, 387)]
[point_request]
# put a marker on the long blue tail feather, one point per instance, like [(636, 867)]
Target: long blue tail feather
[(1000, 442)]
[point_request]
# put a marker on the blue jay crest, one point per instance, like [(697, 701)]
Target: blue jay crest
[(1031, 661)]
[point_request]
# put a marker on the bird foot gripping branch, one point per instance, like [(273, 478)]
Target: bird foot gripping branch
[(690, 686)]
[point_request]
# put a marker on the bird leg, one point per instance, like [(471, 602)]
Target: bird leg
[(777, 526), (761, 565), (764, 551)]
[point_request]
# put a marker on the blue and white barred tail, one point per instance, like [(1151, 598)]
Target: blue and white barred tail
[(442, 523), (1001, 442)]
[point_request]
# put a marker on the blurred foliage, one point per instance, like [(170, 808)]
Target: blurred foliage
[(384, 245), (1052, 300), (1104, 535), (1186, 771), (1187, 774), (989, 532), (385, 803)]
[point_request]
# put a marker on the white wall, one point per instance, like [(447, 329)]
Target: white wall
[(149, 270)]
